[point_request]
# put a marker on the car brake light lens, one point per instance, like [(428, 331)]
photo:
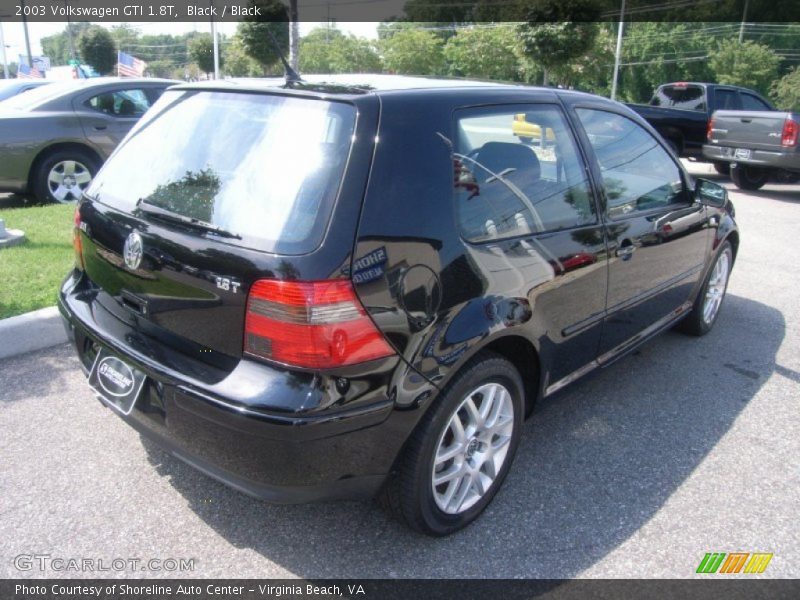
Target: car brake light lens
[(310, 324), (790, 131), (709, 128), (77, 245)]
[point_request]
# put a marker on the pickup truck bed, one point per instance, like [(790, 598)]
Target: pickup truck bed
[(759, 145)]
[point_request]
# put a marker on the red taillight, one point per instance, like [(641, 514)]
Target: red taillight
[(310, 324), (790, 131), (709, 128), (76, 239)]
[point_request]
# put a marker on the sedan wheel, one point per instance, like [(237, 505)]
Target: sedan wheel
[(68, 179), (462, 449), (717, 284), (472, 448)]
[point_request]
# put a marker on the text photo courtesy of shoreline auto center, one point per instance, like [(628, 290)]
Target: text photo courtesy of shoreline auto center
[(399, 298)]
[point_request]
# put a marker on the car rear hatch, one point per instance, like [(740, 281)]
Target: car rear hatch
[(755, 130), (213, 191)]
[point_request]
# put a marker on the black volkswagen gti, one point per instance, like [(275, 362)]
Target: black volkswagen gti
[(327, 290)]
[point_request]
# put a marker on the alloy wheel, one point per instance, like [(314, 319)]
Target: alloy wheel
[(67, 180)]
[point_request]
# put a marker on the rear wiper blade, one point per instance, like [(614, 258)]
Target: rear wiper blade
[(168, 215)]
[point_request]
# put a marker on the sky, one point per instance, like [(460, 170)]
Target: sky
[(15, 40)]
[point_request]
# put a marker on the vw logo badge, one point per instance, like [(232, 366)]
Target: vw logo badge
[(132, 251)]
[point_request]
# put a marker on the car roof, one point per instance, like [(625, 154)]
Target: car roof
[(350, 83)]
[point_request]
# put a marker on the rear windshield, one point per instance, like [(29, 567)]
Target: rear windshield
[(264, 168), (689, 97)]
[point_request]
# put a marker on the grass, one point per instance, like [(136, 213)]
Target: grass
[(30, 274)]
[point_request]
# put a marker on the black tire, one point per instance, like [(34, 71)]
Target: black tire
[(409, 492), (40, 184), (675, 145), (722, 168), (749, 178), (525, 140), (696, 323)]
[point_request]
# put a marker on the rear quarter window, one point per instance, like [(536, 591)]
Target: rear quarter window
[(265, 168)]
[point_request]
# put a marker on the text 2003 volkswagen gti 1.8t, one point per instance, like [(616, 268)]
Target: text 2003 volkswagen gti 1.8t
[(334, 290)]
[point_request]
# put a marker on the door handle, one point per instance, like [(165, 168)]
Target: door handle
[(625, 252), (100, 127)]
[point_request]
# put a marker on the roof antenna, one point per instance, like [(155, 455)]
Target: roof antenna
[(289, 74)]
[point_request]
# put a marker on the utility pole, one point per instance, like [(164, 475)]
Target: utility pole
[(294, 33), (744, 18), (618, 52), (25, 30), (216, 42), (69, 34), (3, 44)]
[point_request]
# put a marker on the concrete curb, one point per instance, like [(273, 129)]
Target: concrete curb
[(31, 331)]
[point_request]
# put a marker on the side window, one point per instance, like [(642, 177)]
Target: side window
[(750, 102), (638, 174), (123, 103), (725, 100), (517, 172)]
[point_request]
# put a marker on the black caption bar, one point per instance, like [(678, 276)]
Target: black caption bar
[(440, 11), (386, 589)]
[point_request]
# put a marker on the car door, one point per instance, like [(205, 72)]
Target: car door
[(528, 216), (108, 115), (656, 233)]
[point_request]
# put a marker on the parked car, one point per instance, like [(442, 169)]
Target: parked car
[(680, 112), (11, 87), (53, 139), (339, 292), (758, 145)]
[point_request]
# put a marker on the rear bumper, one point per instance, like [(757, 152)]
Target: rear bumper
[(252, 429), (789, 161)]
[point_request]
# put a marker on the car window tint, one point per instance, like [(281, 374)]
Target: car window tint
[(638, 174), (750, 102), (726, 100), (518, 172), (689, 97), (123, 103)]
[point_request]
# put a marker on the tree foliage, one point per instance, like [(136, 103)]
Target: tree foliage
[(201, 50), (254, 33), (748, 64), (484, 52), (786, 91), (96, 48), (556, 32), (328, 50), (413, 52), (56, 46)]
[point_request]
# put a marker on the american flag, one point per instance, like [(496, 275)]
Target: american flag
[(26, 72), (129, 66)]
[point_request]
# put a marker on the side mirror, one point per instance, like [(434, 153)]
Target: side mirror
[(710, 193)]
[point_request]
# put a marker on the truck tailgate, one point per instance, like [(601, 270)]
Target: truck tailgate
[(757, 130)]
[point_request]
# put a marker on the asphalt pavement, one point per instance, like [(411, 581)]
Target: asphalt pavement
[(686, 447)]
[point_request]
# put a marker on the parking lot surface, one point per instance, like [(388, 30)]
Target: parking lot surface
[(688, 446)]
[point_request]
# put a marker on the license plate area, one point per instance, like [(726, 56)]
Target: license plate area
[(116, 383), (743, 153)]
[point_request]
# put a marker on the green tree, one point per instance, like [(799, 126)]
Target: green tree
[(786, 91), (97, 49), (484, 52), (56, 46), (126, 37), (558, 31), (326, 50), (255, 34), (413, 52), (748, 64), (237, 62), (201, 51)]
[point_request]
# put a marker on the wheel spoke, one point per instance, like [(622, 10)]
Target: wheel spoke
[(464, 486), (445, 454), (446, 475), (83, 177), (69, 167), (60, 193), (475, 420)]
